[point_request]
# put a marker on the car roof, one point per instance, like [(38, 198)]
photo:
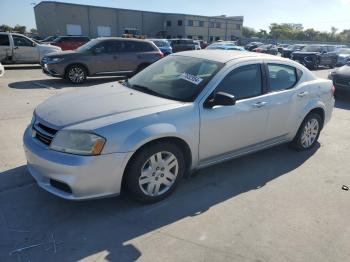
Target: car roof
[(123, 39), (223, 56)]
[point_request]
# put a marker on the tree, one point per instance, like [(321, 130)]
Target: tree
[(248, 32), (20, 29), (34, 31), (333, 30), (5, 28)]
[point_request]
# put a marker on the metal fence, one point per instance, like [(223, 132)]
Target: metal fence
[(244, 41)]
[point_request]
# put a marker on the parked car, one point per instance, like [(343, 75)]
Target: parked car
[(343, 56), (70, 42), (163, 45), (19, 49), (197, 45), (280, 47), (287, 52), (225, 46), (184, 112), (48, 39), (202, 43), (102, 56), (341, 77), (312, 56), (2, 70), (180, 45), (252, 45), (266, 49)]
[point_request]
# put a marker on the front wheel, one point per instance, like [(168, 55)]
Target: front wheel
[(76, 74), (154, 172), (308, 132)]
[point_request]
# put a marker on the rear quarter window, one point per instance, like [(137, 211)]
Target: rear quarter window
[(282, 77)]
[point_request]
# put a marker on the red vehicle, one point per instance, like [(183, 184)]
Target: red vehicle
[(70, 42)]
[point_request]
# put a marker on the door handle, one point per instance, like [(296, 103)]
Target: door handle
[(260, 104), (302, 94)]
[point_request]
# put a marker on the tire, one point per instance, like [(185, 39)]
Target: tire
[(308, 133), (76, 74), (149, 183)]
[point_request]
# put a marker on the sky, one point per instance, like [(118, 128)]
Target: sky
[(259, 14)]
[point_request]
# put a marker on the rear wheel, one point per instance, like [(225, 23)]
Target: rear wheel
[(308, 132), (76, 74), (154, 172)]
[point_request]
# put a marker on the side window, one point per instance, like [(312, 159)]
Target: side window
[(143, 47), (4, 40), (281, 77), (107, 47), (21, 41), (331, 48), (243, 82)]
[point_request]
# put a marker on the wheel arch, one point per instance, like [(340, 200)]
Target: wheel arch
[(77, 63), (181, 143)]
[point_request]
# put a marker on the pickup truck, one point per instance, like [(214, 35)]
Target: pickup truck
[(19, 49)]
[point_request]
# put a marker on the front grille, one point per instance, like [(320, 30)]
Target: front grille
[(43, 133)]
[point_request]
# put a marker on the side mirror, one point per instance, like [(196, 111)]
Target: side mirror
[(221, 99)]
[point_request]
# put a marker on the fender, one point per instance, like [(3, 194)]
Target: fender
[(311, 105), (157, 131)]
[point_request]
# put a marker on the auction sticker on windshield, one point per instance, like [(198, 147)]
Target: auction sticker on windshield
[(191, 78)]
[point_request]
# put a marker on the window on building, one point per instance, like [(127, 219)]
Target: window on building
[(190, 22), (189, 37), (179, 36), (217, 38), (211, 38), (4, 40), (73, 29), (238, 27), (179, 22), (168, 37), (200, 37), (104, 31), (168, 23), (211, 24), (201, 23), (218, 25)]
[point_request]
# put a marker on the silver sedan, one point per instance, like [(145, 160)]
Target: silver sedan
[(185, 112)]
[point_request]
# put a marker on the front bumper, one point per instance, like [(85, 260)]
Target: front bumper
[(54, 70), (87, 177)]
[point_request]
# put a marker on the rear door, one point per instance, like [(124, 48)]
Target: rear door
[(24, 50), (5, 47), (285, 99), (133, 54), (105, 57)]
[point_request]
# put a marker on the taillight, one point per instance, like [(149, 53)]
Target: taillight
[(333, 90), (160, 54)]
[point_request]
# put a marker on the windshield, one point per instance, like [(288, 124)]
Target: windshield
[(88, 46), (345, 51), (312, 48), (175, 77)]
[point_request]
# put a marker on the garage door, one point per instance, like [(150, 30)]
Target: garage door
[(104, 31), (73, 29)]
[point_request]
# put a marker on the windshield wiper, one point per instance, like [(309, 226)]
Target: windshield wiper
[(145, 89)]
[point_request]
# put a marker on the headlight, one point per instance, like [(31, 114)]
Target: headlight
[(33, 120), (55, 60), (78, 142)]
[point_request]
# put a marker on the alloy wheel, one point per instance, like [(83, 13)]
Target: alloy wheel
[(310, 133), (76, 75)]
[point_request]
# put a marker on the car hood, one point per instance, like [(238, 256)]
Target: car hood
[(344, 70), (49, 47), (97, 102), (63, 53)]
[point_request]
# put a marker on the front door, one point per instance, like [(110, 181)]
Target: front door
[(24, 50), (104, 57), (225, 129)]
